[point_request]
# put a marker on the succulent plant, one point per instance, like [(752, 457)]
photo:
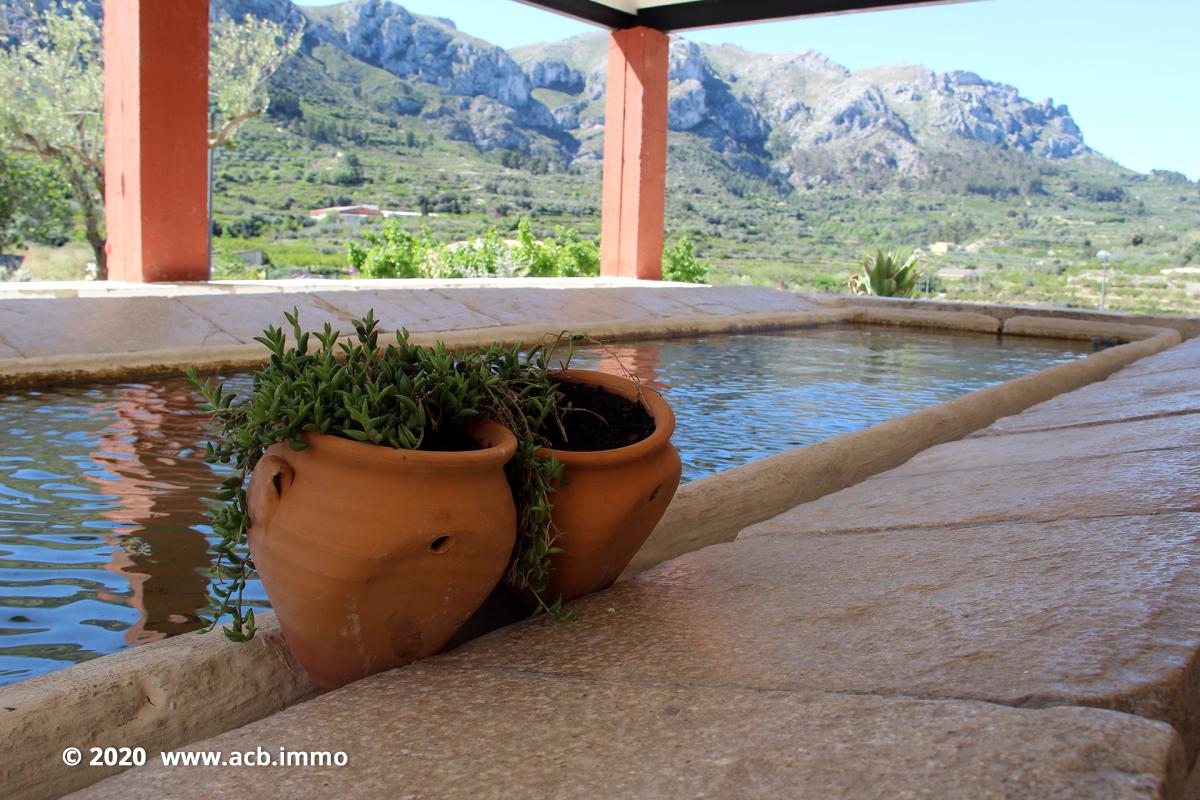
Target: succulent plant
[(887, 275)]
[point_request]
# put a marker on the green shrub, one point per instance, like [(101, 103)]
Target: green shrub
[(348, 172), (680, 263), (487, 255), (567, 255), (394, 253), (576, 257)]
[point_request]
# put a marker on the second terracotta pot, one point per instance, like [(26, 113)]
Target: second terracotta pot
[(612, 499), (373, 557)]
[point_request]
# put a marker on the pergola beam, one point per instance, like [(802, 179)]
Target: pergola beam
[(588, 11), (678, 16), (709, 13)]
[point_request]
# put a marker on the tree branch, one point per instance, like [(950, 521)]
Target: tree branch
[(222, 135)]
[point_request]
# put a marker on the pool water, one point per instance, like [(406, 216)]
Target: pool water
[(103, 543)]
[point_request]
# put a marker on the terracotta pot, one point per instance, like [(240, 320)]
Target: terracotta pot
[(373, 557), (612, 499)]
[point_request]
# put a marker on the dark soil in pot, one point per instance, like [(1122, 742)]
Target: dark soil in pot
[(454, 440), (600, 420)]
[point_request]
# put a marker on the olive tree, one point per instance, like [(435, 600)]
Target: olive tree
[(241, 60), (53, 84), (52, 79)]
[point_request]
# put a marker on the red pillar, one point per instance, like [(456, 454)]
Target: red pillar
[(156, 140), (635, 154)]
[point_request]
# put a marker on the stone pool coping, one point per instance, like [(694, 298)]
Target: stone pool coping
[(181, 690), (54, 333)]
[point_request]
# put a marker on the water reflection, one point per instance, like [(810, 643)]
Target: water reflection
[(148, 460), (640, 361), (102, 541)]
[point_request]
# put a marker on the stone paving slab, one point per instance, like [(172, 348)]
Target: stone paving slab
[(1100, 612), (1157, 433), (437, 731), (250, 314), (1144, 482), (6, 350), (205, 315), (50, 327), (1119, 398), (1182, 356), (714, 300), (419, 309), (546, 305)]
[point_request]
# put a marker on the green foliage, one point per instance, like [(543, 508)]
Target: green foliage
[(348, 172), (1097, 193), (284, 105), (487, 255), (243, 227), (575, 256), (567, 255), (887, 275), (35, 204), (680, 263), (242, 58), (330, 131), (229, 267), (393, 252), (401, 395)]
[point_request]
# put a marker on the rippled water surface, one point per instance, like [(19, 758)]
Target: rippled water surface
[(102, 538)]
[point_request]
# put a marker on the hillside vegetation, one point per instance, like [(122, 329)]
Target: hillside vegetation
[(784, 170)]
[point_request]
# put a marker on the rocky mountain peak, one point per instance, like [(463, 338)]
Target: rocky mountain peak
[(823, 121)]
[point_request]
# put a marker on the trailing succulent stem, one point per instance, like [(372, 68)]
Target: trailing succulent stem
[(400, 395)]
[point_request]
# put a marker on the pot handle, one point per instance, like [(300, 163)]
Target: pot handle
[(271, 476)]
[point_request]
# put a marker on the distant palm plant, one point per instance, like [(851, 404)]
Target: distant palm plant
[(887, 275)]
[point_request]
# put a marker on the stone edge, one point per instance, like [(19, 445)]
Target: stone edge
[(91, 368)]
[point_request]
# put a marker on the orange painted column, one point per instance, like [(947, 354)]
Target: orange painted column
[(635, 155), (156, 139)]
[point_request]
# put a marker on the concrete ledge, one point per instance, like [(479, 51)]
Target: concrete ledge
[(1187, 326), (42, 289), (939, 320), (157, 696), (107, 366), (1082, 329)]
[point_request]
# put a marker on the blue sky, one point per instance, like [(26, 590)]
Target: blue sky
[(1127, 70)]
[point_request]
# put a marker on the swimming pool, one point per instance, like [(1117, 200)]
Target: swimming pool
[(102, 537)]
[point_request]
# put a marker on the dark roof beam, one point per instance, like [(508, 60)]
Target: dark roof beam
[(710, 13), (589, 11)]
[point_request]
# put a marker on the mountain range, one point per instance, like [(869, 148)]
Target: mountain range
[(797, 116)]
